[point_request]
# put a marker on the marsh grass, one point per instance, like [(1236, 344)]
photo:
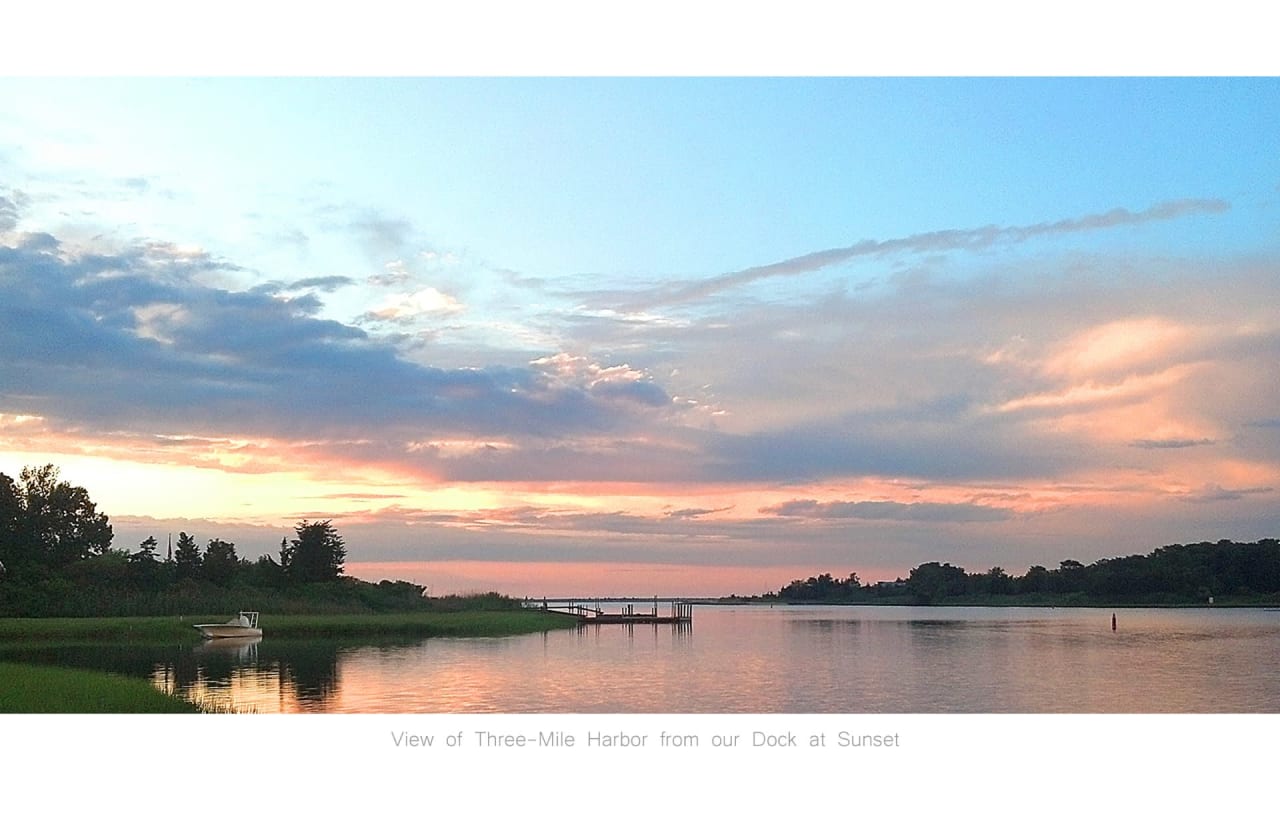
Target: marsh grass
[(178, 629), (46, 689), (471, 623), (114, 629)]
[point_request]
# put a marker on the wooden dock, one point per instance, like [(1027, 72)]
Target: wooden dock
[(631, 610)]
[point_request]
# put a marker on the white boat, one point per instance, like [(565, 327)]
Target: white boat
[(243, 626)]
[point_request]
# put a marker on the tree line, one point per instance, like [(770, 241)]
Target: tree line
[(316, 553), (1225, 571), (57, 558)]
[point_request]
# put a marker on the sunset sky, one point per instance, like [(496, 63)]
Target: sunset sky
[(649, 336)]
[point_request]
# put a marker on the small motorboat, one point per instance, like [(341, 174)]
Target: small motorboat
[(243, 626)]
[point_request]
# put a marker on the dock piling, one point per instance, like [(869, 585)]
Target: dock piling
[(588, 612)]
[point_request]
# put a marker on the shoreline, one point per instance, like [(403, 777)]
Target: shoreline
[(166, 629)]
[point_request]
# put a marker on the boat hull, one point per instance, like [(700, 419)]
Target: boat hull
[(228, 631)]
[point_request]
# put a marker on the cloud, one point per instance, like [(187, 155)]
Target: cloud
[(613, 383), (406, 308), (987, 377), (694, 513), (1035, 367), (945, 439), (1119, 348), (131, 341), (1212, 493), (363, 497), (896, 511), (329, 283), (9, 211), (381, 234), (971, 239), (303, 295), (1171, 443), (551, 522)]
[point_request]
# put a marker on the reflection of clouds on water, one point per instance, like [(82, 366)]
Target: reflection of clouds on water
[(751, 659)]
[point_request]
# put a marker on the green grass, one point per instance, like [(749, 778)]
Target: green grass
[(147, 629), (166, 629), (46, 689), (472, 623)]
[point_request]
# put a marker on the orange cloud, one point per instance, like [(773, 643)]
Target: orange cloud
[(1118, 349)]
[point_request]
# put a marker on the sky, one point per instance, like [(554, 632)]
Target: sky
[(574, 336)]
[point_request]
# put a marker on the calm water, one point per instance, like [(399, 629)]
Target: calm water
[(757, 659)]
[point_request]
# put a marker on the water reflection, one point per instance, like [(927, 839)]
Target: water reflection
[(745, 659), (632, 631), (311, 671), (243, 651)]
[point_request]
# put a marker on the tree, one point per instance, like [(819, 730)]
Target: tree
[(266, 572), (1072, 575), (186, 556), (47, 524), (823, 587), (146, 553), (10, 516), (995, 581), (930, 583), (220, 562), (145, 563), (316, 553)]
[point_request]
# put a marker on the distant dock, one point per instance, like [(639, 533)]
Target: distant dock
[(631, 610)]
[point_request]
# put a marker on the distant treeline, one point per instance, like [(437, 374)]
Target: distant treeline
[(56, 559), (1225, 571)]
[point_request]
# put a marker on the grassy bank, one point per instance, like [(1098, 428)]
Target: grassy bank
[(178, 629), (45, 689), (470, 623)]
